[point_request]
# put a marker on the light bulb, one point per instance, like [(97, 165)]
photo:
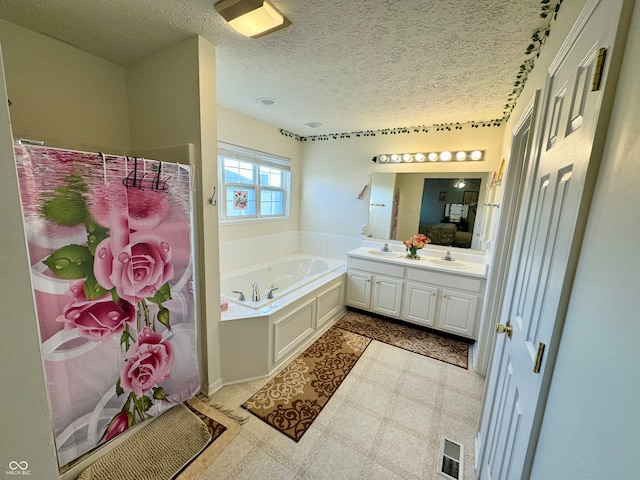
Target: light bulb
[(460, 156), (445, 156), (384, 158), (406, 157), (419, 157), (433, 157), (395, 157), (476, 155)]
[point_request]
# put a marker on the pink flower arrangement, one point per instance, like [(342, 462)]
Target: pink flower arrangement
[(417, 241)]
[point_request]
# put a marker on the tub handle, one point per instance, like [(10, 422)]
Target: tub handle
[(240, 295), (270, 294)]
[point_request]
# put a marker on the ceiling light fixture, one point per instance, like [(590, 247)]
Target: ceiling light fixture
[(459, 183), (268, 102), (313, 124), (252, 18), (445, 156)]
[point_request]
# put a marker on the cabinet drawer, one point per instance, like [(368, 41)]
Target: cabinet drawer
[(376, 267), (445, 280)]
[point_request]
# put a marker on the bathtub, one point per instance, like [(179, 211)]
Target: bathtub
[(258, 338), (282, 276)]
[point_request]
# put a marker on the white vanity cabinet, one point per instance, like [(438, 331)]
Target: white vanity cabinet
[(420, 302), (447, 301), (375, 286), (458, 312)]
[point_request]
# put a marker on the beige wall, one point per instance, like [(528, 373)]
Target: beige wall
[(172, 102), (335, 171), (25, 423), (237, 129), (62, 95)]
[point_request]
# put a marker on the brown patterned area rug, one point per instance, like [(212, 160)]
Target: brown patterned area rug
[(430, 344), (294, 398)]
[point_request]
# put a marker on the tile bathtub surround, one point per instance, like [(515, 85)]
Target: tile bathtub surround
[(327, 245), (245, 252), (384, 422), (242, 253)]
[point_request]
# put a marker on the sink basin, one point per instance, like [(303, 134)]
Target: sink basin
[(384, 254), (448, 263)]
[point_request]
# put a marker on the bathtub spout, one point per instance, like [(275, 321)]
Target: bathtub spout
[(240, 295), (256, 293), (270, 294)]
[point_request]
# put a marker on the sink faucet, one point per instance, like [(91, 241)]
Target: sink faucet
[(240, 295), (448, 257), (256, 293), (386, 248), (270, 294)]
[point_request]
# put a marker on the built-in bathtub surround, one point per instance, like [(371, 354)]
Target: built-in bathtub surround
[(262, 287), (258, 337)]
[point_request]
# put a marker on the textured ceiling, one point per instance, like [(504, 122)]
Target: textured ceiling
[(352, 65)]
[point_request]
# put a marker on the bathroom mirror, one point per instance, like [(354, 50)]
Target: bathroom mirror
[(447, 208)]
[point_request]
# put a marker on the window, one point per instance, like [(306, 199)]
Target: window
[(254, 185)]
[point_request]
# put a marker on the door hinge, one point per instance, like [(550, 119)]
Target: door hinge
[(539, 355), (597, 75)]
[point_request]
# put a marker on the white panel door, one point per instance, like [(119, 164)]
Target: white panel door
[(543, 266)]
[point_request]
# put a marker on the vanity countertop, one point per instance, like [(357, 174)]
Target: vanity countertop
[(430, 259)]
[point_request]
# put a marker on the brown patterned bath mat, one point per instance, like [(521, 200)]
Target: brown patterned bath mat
[(430, 344), (294, 398)]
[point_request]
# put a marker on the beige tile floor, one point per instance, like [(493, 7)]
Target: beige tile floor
[(384, 422)]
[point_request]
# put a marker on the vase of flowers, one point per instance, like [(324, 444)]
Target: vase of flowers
[(414, 244)]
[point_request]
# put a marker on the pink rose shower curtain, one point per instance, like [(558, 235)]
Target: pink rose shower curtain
[(110, 246)]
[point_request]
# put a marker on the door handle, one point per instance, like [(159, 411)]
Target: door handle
[(508, 329)]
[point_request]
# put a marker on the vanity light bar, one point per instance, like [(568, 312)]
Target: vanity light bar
[(446, 156)]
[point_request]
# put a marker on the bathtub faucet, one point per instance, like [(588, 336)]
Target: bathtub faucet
[(270, 294), (256, 293), (240, 295)]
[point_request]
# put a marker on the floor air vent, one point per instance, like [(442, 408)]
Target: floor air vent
[(451, 464)]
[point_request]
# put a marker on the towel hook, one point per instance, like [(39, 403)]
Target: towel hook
[(212, 201)]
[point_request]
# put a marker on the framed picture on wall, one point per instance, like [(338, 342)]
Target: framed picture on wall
[(469, 197), (442, 197)]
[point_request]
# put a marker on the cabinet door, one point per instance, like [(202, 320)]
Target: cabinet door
[(458, 312), (387, 296), (420, 304), (359, 289)]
